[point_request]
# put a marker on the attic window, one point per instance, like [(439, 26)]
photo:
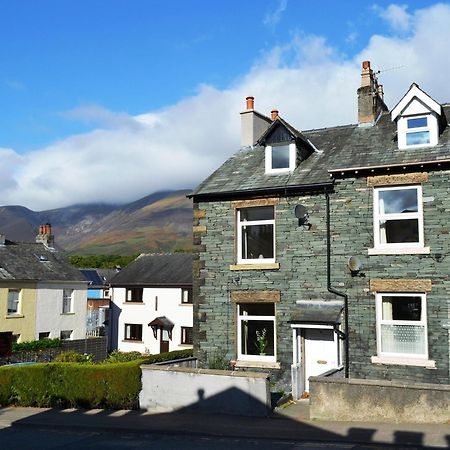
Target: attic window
[(280, 158)]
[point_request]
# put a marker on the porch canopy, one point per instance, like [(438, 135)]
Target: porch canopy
[(317, 312), (162, 323)]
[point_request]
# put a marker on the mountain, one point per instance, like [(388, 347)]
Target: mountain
[(158, 222)]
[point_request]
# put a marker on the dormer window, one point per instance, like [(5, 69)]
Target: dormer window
[(418, 117), (280, 158)]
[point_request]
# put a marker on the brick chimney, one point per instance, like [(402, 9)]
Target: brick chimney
[(370, 97), (253, 124), (45, 235)]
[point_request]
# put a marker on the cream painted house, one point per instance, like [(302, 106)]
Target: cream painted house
[(41, 294)]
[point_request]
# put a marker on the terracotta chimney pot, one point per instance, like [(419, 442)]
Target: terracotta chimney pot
[(250, 103), (274, 113)]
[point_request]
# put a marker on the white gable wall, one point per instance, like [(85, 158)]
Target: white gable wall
[(49, 316), (168, 304)]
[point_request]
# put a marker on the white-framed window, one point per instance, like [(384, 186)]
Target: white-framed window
[(66, 335), (256, 235), (133, 332), (256, 332), (186, 296), (186, 335), (134, 295), (14, 301), (402, 325), (67, 304), (280, 158), (417, 132), (398, 217)]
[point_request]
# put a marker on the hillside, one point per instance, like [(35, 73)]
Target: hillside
[(158, 222)]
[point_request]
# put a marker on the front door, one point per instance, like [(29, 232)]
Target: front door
[(164, 341), (320, 352)]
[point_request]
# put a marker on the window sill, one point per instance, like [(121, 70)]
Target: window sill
[(14, 316), (399, 251), (258, 364), (402, 361), (186, 345), (68, 314), (185, 304), (262, 266), (134, 341), (133, 303)]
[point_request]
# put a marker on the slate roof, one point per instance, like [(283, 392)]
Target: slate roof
[(35, 262), (336, 149), (93, 277), (156, 270)]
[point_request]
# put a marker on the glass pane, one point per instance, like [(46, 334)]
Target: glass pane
[(395, 201), (258, 213), (408, 339), (418, 137), (399, 231), (257, 337), (257, 241), (402, 308), (280, 157), (417, 123), (257, 309)]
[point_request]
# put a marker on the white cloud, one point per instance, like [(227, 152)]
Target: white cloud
[(272, 18), (176, 147), (396, 16)]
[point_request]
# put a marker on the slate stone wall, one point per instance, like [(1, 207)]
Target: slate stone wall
[(302, 275), (352, 230)]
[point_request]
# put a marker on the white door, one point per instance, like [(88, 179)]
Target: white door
[(321, 353)]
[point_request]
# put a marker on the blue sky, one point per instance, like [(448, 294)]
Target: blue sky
[(149, 92)]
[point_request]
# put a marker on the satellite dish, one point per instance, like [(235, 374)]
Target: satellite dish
[(354, 264), (302, 215)]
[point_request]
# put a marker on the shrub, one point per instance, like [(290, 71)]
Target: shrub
[(71, 356), (117, 356), (71, 385), (33, 346), (168, 356), (218, 360)]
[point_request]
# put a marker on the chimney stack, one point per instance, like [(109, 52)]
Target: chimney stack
[(2, 240), (45, 235), (370, 97), (274, 114), (253, 124)]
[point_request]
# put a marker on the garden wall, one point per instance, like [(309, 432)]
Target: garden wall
[(380, 401), (166, 388)]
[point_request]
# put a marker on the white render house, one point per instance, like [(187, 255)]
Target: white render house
[(151, 304)]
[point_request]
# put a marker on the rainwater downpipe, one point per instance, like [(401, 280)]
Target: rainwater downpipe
[(331, 289)]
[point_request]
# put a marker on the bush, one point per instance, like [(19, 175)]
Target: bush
[(34, 346), (117, 356), (115, 386), (73, 357), (169, 356)]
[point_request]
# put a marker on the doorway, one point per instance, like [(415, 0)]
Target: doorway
[(163, 341)]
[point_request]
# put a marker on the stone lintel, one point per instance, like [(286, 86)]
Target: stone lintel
[(255, 296), (398, 179), (254, 202), (400, 285)]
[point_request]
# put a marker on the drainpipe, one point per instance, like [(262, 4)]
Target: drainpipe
[(335, 291)]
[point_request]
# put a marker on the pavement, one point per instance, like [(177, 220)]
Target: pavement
[(290, 422)]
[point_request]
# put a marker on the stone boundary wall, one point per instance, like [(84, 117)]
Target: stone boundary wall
[(168, 389), (378, 401), (98, 347)]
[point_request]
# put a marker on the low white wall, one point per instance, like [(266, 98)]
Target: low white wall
[(204, 390)]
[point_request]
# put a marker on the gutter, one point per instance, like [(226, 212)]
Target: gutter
[(333, 290), (327, 186)]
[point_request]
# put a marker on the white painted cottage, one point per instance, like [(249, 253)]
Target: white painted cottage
[(151, 304)]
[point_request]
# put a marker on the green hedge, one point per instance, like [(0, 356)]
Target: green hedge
[(114, 386), (33, 346)]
